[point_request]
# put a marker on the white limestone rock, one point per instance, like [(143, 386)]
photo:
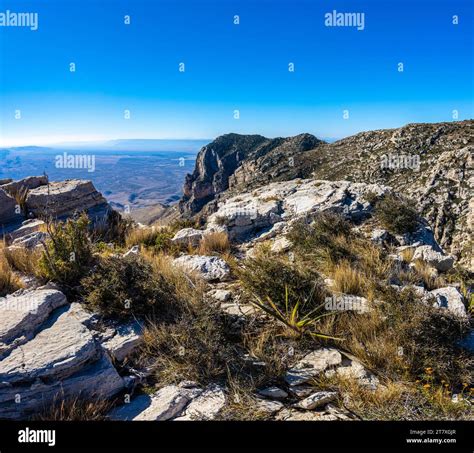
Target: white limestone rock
[(311, 365), (209, 268)]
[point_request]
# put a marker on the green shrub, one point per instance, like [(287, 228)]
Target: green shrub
[(268, 276), (397, 214), (68, 251), (123, 288), (323, 239)]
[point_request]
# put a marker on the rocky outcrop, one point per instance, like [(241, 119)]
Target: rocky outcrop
[(47, 352), (39, 199), (234, 160), (60, 199), (268, 211), (440, 176)]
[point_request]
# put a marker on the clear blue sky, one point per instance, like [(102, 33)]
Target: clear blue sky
[(231, 67)]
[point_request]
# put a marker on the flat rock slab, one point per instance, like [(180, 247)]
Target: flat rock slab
[(167, 403), (24, 312), (59, 349), (311, 365), (209, 268), (206, 406), (64, 198), (98, 380)]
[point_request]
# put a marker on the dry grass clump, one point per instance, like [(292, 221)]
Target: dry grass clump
[(9, 281), (427, 276), (407, 255), (75, 409), (402, 336), (217, 242), (402, 400), (24, 260), (348, 280), (192, 346)]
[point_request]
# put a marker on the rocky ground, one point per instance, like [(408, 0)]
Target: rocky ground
[(296, 298)]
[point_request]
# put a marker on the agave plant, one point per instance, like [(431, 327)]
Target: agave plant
[(297, 323)]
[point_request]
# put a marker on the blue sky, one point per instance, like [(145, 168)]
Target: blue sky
[(230, 67)]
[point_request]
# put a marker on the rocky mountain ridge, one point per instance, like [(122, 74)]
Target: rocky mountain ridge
[(430, 163)]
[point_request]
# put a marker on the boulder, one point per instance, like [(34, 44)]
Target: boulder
[(53, 360), (31, 182), (27, 227), (220, 295), (31, 240), (61, 348), (350, 367), (450, 299), (438, 260), (281, 245), (269, 407), (209, 268), (62, 199), (166, 404), (188, 236), (312, 364)]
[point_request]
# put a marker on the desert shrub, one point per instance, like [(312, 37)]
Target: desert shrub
[(324, 239), (193, 346), (68, 252), (268, 276), (397, 214), (217, 242), (371, 197), (122, 288)]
